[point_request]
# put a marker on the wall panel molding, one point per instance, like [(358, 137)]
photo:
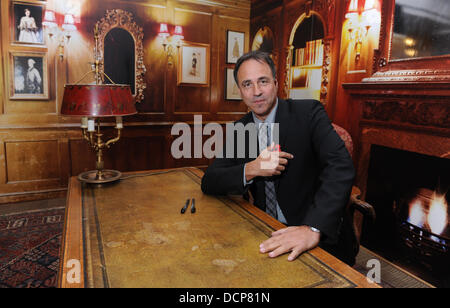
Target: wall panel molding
[(28, 161), (177, 9)]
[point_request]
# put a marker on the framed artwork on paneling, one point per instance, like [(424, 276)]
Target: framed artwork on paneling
[(235, 45), (193, 64), (26, 23), (28, 75), (232, 92)]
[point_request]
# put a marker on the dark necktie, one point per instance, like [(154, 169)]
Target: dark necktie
[(271, 197)]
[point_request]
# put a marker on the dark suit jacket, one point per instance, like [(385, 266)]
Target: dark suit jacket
[(315, 187)]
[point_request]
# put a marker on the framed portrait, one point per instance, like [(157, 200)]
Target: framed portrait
[(235, 45), (193, 64), (28, 76), (232, 92), (26, 22)]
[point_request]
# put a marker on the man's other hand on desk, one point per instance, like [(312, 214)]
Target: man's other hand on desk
[(295, 240)]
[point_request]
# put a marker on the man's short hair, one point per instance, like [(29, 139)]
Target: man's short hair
[(259, 56)]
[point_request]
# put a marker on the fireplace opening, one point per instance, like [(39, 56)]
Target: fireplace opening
[(411, 196)]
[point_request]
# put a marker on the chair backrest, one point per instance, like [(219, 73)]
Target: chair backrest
[(345, 136)]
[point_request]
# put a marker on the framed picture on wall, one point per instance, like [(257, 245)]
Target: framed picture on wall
[(232, 92), (26, 24), (235, 45), (193, 64), (28, 76)]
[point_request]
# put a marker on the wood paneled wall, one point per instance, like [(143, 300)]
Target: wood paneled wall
[(40, 149)]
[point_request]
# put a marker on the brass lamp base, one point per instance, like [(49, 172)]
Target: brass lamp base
[(100, 177)]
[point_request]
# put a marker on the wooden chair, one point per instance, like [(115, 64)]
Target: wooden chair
[(358, 209)]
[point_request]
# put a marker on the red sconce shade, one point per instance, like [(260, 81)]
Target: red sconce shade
[(69, 23), (369, 5), (367, 9), (49, 19), (163, 30), (356, 7), (178, 32), (353, 6), (371, 15), (352, 10), (97, 100)]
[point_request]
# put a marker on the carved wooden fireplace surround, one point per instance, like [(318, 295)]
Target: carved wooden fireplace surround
[(412, 116)]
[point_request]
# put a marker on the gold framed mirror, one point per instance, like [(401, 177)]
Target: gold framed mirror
[(118, 28), (391, 62), (420, 29)]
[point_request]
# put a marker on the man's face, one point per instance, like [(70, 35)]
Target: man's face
[(258, 88)]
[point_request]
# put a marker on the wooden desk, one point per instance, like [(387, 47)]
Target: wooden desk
[(132, 234)]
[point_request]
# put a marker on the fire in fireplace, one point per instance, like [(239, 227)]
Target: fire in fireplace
[(410, 194), (429, 210), (424, 232)]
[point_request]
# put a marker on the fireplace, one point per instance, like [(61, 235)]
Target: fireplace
[(401, 131), (410, 193)]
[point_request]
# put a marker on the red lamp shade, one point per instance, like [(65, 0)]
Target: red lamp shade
[(49, 19), (371, 15), (163, 31), (353, 9), (369, 5), (178, 32), (69, 23), (93, 100)]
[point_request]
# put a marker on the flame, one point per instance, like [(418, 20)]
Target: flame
[(417, 214), (429, 210), (437, 215)]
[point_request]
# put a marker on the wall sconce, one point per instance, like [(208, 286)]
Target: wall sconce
[(92, 102), (169, 42), (361, 16), (62, 32)]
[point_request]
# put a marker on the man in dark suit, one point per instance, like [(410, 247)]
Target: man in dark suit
[(307, 183)]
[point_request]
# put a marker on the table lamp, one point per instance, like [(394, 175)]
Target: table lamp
[(93, 102)]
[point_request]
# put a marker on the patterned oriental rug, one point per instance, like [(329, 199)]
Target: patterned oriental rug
[(29, 248)]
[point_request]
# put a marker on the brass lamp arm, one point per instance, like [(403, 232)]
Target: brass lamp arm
[(114, 140), (89, 137)]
